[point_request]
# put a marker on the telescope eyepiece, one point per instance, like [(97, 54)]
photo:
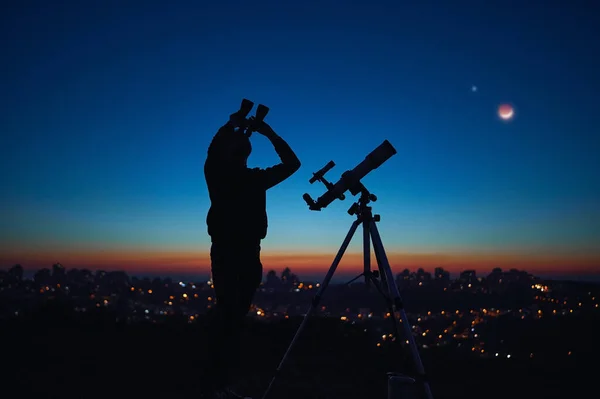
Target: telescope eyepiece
[(310, 202)]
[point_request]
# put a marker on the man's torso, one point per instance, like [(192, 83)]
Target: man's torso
[(238, 205)]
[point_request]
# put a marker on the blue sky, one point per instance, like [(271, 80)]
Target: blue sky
[(108, 112)]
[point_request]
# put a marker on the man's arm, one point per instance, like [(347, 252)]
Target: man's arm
[(290, 163)]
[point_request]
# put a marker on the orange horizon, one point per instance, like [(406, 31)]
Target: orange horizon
[(187, 261)]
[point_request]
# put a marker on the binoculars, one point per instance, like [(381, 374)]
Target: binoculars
[(245, 108)]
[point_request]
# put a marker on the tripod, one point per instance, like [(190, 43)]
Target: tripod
[(388, 286)]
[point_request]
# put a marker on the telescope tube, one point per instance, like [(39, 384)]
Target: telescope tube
[(351, 177)]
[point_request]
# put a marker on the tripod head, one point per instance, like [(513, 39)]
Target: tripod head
[(245, 124), (361, 207)]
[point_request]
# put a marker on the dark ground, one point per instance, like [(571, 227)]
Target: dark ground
[(94, 357)]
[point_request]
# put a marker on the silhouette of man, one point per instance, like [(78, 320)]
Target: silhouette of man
[(237, 222)]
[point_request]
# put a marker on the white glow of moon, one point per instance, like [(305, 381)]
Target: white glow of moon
[(506, 112)]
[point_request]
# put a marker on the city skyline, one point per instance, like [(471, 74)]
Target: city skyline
[(350, 266), (108, 117)]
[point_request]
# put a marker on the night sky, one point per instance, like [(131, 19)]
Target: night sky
[(108, 110)]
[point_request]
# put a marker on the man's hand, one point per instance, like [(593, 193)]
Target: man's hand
[(237, 120), (262, 127)]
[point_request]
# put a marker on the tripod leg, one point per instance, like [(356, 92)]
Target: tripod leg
[(316, 300), (383, 287), (384, 283), (399, 307), (367, 254)]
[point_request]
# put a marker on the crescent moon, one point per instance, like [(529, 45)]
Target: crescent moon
[(507, 114)]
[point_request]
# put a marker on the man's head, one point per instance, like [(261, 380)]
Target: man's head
[(231, 146), (239, 149)]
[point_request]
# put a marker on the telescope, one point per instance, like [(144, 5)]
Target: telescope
[(245, 124), (350, 180), (382, 278)]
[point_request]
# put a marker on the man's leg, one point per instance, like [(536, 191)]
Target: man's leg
[(249, 279), (224, 276)]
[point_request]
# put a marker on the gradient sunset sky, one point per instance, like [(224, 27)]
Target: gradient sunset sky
[(108, 110)]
